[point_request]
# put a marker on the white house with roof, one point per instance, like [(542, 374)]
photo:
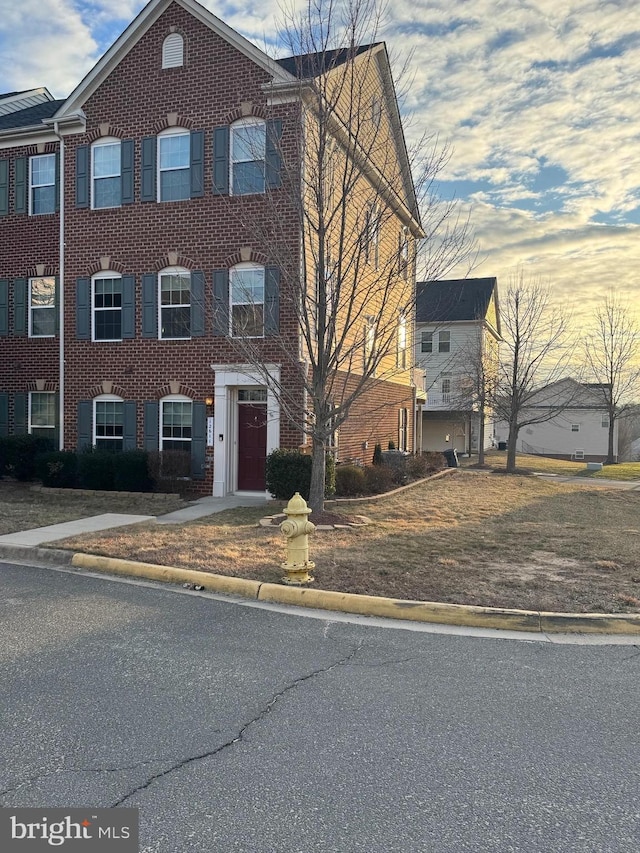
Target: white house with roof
[(457, 328), (573, 423)]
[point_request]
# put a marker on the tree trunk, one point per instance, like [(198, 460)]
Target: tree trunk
[(318, 465), (511, 448), (481, 436), (610, 460)]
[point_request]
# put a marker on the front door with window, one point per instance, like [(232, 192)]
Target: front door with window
[(252, 446)]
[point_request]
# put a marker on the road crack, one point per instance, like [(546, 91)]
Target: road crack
[(266, 710)]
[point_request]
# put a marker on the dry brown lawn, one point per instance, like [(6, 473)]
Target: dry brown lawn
[(469, 538), (23, 507)]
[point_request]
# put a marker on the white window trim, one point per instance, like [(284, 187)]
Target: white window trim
[(247, 122), (99, 276), (31, 187), (173, 51), (164, 134), (30, 307), (422, 342), (104, 398), (440, 342), (246, 265), (30, 426), (172, 398), (403, 428), (104, 141), (171, 271)]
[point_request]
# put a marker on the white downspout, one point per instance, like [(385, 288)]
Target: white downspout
[(61, 293)]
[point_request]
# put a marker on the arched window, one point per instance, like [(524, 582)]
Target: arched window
[(247, 300), (108, 422), (248, 151), (106, 171), (173, 51)]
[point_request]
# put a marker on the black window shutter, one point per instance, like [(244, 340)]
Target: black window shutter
[(20, 185), (56, 180), (126, 171), (83, 309), (273, 158), (151, 425), (4, 187), (198, 440), (56, 303), (20, 306), (82, 176), (197, 304), (4, 414), (149, 306), (19, 414), (221, 161), (129, 431), (56, 421), (128, 307), (85, 418), (148, 191), (221, 303), (197, 163), (271, 300), (4, 307)]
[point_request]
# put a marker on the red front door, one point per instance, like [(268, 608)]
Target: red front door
[(252, 446)]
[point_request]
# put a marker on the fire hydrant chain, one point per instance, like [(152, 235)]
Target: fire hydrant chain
[(297, 528)]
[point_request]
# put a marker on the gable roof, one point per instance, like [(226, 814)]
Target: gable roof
[(307, 65), (29, 117), (136, 30), (454, 300)]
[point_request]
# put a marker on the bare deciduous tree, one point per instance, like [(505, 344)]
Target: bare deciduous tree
[(362, 205), (475, 382), (535, 354), (612, 357)]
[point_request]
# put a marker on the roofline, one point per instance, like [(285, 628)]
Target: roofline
[(139, 26), (28, 93)]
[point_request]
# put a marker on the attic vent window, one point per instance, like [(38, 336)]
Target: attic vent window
[(173, 51)]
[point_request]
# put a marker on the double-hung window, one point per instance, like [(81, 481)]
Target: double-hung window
[(446, 390), (175, 303), (176, 419), (248, 152), (42, 184), (444, 342), (107, 307), (42, 307), (42, 413), (247, 301), (426, 342), (108, 423), (106, 173), (174, 181)]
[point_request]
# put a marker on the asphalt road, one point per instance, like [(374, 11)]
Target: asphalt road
[(233, 728)]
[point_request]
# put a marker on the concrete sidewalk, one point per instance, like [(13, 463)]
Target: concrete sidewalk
[(197, 509)]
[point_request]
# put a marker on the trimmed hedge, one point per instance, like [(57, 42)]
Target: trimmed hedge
[(289, 471), (18, 454), (58, 469)]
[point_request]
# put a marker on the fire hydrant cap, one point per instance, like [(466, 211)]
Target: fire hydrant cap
[(297, 506)]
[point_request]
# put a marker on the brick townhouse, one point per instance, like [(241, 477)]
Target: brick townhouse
[(130, 223)]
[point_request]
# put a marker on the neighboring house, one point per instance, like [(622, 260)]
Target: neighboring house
[(578, 429), (457, 337), (123, 285)]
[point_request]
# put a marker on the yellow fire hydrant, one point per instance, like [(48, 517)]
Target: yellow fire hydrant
[(297, 528)]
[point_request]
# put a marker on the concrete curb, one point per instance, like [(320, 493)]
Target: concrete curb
[(369, 605)]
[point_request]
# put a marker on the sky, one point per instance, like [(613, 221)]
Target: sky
[(538, 99)]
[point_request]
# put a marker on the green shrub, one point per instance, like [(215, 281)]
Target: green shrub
[(58, 469), (19, 453), (377, 455), (131, 471), (391, 445), (289, 471), (350, 481), (169, 470), (96, 469), (378, 479)]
